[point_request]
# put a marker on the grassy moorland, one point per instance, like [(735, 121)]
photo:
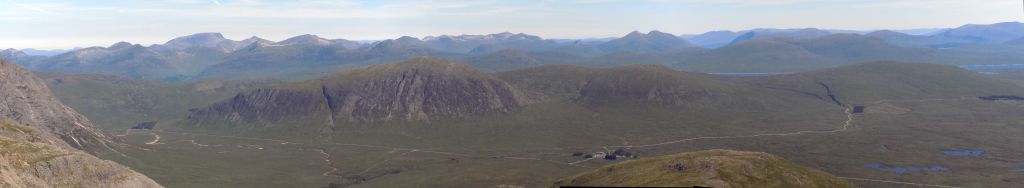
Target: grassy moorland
[(913, 113)]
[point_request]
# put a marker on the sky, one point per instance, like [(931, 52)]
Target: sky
[(52, 24)]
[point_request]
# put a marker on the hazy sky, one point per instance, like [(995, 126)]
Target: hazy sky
[(49, 24)]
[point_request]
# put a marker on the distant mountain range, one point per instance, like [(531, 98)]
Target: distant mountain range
[(206, 56)]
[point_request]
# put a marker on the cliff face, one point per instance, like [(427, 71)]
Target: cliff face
[(419, 89), (26, 100), (41, 140)]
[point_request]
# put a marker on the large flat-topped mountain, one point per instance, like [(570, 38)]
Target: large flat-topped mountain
[(419, 89)]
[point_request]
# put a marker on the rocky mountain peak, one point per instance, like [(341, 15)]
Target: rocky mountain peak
[(408, 39), (399, 45), (640, 42), (120, 45), (635, 34), (659, 33), (208, 40), (12, 53), (307, 39)]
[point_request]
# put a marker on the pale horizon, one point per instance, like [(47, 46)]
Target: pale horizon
[(47, 25)]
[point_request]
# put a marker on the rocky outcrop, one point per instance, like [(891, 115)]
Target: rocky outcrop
[(41, 140), (29, 159), (419, 89)]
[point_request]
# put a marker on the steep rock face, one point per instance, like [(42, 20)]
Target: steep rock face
[(26, 100), (713, 168), (419, 89), (39, 137)]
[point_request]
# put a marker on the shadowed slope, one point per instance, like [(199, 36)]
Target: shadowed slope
[(869, 82)]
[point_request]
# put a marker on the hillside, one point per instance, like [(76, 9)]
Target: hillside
[(797, 55), (851, 48), (646, 85), (927, 41), (42, 141), (117, 103), (780, 34), (988, 33), (757, 56), (869, 82), (508, 59), (714, 39), (20, 57), (120, 59), (712, 168)]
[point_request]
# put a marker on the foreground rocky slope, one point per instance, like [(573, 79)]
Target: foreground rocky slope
[(712, 168), (40, 140)]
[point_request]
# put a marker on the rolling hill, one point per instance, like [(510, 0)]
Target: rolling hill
[(783, 34), (117, 103), (757, 56), (870, 82), (988, 33), (712, 168), (653, 41)]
